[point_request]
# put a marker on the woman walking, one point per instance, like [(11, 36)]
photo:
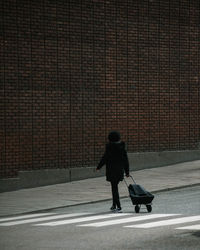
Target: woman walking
[(116, 160)]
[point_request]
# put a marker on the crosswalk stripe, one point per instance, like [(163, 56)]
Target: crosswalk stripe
[(125, 220), (41, 219), (193, 227), (166, 222), (24, 216), (83, 219)]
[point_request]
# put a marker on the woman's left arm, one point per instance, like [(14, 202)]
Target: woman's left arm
[(102, 162)]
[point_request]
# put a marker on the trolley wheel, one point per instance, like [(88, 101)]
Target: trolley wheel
[(137, 209), (149, 208)]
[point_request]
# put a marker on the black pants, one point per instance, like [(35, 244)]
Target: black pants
[(115, 193)]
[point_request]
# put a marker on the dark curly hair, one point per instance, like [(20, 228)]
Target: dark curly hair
[(114, 136)]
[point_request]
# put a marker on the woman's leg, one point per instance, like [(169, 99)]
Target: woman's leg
[(115, 194)]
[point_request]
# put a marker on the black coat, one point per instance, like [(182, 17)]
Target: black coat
[(116, 160)]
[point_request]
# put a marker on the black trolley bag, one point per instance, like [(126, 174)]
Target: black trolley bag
[(139, 196)]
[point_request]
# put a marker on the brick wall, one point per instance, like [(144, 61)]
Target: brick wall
[(71, 71)]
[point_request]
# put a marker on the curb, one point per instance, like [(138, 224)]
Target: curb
[(96, 201)]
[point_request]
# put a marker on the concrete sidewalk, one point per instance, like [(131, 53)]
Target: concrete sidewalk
[(97, 189)]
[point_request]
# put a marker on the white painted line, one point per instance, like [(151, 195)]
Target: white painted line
[(125, 220), (167, 222), (41, 219), (193, 227), (83, 219), (24, 216)]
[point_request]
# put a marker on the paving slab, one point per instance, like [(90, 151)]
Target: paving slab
[(97, 189)]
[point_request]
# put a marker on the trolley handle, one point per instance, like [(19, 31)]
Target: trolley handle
[(131, 178)]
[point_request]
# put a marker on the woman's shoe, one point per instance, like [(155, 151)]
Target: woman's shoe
[(119, 210), (113, 208)]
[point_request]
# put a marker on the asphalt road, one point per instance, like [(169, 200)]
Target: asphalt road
[(92, 226)]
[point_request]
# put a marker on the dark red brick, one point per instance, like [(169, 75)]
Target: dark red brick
[(71, 71)]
